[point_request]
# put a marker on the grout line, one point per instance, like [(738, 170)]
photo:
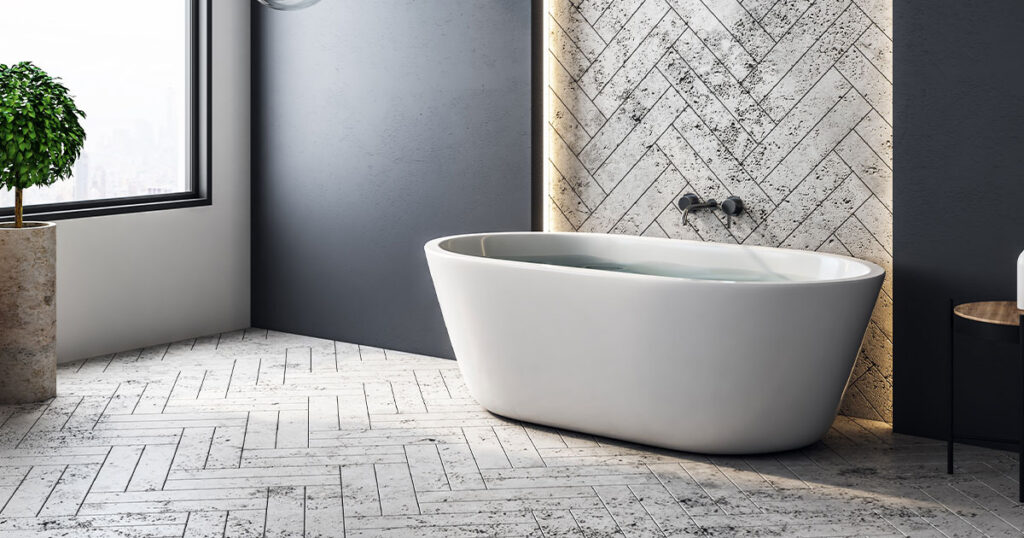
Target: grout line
[(733, 36), (52, 489), (646, 511), (614, 38), (802, 55), (136, 466)]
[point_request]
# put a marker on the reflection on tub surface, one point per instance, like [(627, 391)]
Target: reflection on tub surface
[(655, 268)]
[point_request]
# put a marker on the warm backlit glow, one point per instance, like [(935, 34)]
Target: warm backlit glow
[(548, 76)]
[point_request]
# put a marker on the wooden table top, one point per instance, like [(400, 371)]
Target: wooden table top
[(994, 312)]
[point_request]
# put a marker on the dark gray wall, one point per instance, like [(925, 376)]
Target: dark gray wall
[(958, 220), (379, 125)]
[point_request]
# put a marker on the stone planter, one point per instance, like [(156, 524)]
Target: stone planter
[(28, 312)]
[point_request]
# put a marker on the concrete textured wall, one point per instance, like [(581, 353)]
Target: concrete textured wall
[(787, 104)]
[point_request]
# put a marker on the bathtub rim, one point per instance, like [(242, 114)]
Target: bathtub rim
[(433, 247)]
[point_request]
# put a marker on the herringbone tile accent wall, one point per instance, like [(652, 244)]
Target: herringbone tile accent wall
[(786, 103)]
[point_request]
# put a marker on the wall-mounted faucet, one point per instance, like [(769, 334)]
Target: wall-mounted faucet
[(691, 202), (731, 206)]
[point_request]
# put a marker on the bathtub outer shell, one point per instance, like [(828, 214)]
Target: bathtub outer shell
[(703, 366)]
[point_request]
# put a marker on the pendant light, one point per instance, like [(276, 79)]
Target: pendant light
[(288, 5)]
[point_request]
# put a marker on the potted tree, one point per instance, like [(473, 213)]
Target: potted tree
[(40, 140)]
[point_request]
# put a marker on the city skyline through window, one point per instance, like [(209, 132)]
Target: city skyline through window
[(127, 63)]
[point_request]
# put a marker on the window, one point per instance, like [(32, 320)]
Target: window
[(139, 71)]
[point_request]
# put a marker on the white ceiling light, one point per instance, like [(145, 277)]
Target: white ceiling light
[(288, 5)]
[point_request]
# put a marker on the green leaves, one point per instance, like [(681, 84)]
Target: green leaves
[(40, 134)]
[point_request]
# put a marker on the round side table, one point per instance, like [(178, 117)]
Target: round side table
[(990, 320)]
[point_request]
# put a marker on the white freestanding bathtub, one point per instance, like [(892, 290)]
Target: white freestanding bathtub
[(737, 350)]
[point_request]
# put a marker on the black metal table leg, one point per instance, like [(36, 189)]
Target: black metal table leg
[(952, 352), (998, 321)]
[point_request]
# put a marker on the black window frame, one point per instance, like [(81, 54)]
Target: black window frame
[(199, 162)]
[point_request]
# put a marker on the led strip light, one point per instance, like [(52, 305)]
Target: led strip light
[(548, 139)]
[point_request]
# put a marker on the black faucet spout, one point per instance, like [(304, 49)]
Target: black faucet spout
[(690, 202)]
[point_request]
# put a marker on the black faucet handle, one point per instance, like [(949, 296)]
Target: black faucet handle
[(688, 200), (732, 206)]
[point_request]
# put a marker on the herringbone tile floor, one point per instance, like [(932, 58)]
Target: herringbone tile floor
[(257, 433)]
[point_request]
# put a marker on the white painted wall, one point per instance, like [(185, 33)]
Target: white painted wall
[(128, 281)]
